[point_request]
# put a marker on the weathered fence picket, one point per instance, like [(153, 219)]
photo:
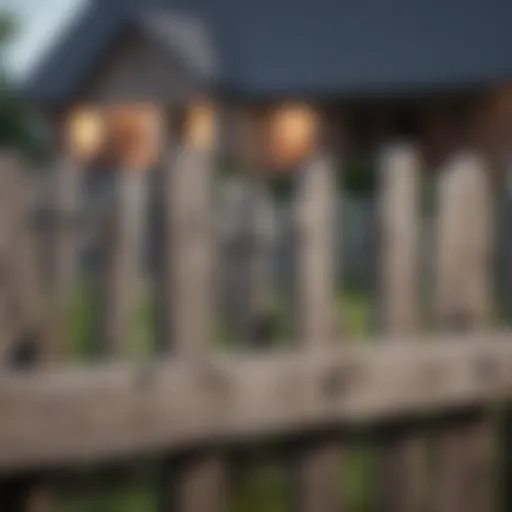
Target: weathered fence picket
[(200, 483), (26, 338), (319, 467), (463, 301), (402, 468), (8, 208), (192, 407)]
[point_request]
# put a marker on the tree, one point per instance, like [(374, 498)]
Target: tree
[(15, 130)]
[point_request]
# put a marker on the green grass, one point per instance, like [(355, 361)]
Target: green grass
[(127, 498), (265, 487), (354, 311), (83, 343)]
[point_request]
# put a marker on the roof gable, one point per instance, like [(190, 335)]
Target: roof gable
[(301, 47), (76, 52)]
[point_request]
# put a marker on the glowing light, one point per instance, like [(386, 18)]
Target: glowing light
[(85, 133), (200, 129), (133, 135), (292, 134)]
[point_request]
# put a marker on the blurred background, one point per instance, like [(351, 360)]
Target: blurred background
[(254, 218)]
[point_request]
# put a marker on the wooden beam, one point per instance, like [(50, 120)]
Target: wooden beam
[(199, 484), (464, 258), (26, 332), (402, 468), (58, 417), (318, 468)]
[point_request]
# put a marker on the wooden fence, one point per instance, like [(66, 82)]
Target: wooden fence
[(429, 390)]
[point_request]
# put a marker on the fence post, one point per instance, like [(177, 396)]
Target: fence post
[(463, 301), (23, 340), (402, 477), (21, 295), (319, 467), (199, 482), (8, 201)]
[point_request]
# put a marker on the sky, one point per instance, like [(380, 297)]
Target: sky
[(40, 22)]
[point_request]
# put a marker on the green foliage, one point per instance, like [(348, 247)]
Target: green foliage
[(8, 27), (358, 178), (265, 488), (100, 492), (133, 498), (15, 132), (82, 332), (283, 186)]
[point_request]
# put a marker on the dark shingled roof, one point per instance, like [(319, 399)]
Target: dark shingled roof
[(320, 47)]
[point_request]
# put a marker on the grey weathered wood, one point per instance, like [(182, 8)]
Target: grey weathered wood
[(402, 477), (189, 288), (67, 416), (319, 469), (400, 235), (463, 300), (190, 260), (65, 197), (8, 208), (24, 330), (123, 241), (24, 312), (315, 284), (12, 492)]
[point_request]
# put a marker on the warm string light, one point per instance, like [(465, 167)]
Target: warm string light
[(126, 135), (292, 134), (129, 135), (133, 135), (85, 133), (200, 126)]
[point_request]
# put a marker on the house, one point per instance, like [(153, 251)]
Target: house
[(273, 71)]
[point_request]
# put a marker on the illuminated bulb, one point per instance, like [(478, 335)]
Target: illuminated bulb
[(200, 126), (133, 135), (293, 130), (85, 133)]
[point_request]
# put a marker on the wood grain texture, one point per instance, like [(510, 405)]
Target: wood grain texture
[(401, 466), (319, 469), (465, 231), (400, 175), (315, 283), (9, 195), (76, 416), (189, 288), (23, 323)]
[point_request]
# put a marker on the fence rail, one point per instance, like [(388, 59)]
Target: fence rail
[(118, 410), (193, 400)]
